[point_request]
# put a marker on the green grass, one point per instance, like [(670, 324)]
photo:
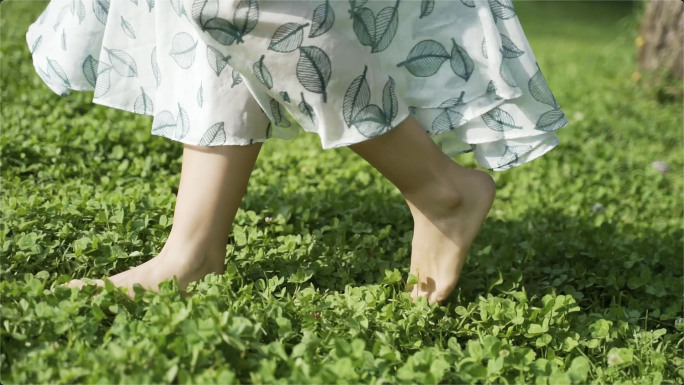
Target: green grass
[(576, 276)]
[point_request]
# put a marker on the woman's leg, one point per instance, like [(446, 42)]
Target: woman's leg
[(448, 203), (213, 182)]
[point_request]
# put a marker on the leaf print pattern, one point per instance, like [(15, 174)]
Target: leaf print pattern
[(101, 9), (214, 136), (36, 44), (64, 46), (79, 11), (262, 73), (285, 96), (122, 62), (551, 121), (246, 16), (322, 20), (305, 108), (376, 32), (356, 98), (104, 80), (502, 9), (216, 60), (155, 67), (287, 38), (60, 17), (53, 68), (127, 28), (512, 155), (150, 5), (178, 8), (278, 116), (446, 121), (371, 121), (468, 3), (204, 10), (461, 63), (182, 123), (499, 120), (223, 31), (426, 8), (200, 96), (237, 78), (314, 70), (143, 104), (183, 49), (89, 67), (506, 75), (390, 104), (425, 58), (540, 91), (164, 124), (510, 50)]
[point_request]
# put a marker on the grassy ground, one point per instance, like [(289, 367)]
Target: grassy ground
[(576, 277)]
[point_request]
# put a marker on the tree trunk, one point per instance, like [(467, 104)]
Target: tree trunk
[(661, 44)]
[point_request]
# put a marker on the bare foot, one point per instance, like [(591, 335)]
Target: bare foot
[(187, 267), (444, 227)]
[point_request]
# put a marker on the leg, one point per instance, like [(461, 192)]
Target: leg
[(448, 203), (213, 182)]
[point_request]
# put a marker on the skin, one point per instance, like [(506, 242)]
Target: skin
[(448, 204)]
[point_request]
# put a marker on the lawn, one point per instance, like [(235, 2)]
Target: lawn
[(576, 276)]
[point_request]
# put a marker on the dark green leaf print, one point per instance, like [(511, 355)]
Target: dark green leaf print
[(386, 24), (150, 5), (262, 73), (214, 136), (287, 38), (446, 121), (60, 17), (246, 16), (540, 91), (134, 2), (122, 62), (80, 10), (178, 7), (127, 28), (204, 10), (305, 108), (551, 121), (164, 124), (491, 87), (55, 71), (426, 8), (155, 67), (390, 104), (502, 9), (376, 32), (371, 121), (223, 31), (89, 66), (182, 123), (285, 96), (200, 96), (468, 3), (461, 63), (36, 44), (510, 50), (314, 70), (499, 120), (104, 80), (425, 58), (453, 102), (356, 97), (506, 75), (143, 104), (101, 9), (278, 115), (364, 25), (237, 78), (216, 60), (511, 156), (183, 49), (322, 20), (64, 44)]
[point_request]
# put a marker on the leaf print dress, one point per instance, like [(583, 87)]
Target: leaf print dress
[(235, 72)]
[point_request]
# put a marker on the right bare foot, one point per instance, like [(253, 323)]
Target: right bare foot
[(446, 221), (185, 265)]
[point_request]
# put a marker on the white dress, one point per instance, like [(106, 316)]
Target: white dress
[(229, 72)]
